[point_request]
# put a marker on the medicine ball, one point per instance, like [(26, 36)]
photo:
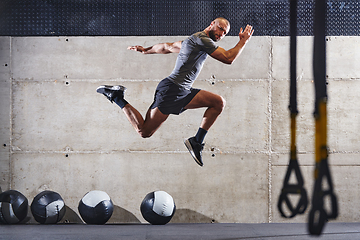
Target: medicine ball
[(96, 207), (48, 207), (158, 208), (13, 207)]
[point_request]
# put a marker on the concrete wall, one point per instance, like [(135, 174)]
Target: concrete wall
[(57, 133)]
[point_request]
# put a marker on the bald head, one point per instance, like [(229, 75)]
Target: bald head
[(218, 29), (222, 21)]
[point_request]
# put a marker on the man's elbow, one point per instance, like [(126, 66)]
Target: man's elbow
[(228, 61)]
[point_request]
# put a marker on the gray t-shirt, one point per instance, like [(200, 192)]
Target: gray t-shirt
[(194, 51)]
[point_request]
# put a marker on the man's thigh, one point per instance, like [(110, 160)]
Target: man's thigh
[(204, 99)]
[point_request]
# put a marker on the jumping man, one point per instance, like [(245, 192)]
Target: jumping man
[(175, 94)]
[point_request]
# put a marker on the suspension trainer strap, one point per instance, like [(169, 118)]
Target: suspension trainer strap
[(293, 167), (293, 38), (318, 215)]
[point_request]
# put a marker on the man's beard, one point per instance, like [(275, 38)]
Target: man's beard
[(212, 36)]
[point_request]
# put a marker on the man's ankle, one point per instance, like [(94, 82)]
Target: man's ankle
[(121, 102)]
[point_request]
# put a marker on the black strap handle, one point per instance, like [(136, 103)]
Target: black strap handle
[(293, 189), (318, 215)]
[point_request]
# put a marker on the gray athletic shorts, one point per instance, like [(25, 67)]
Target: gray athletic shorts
[(170, 98)]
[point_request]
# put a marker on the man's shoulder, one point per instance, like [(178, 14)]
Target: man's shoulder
[(202, 42), (201, 34), (203, 38)]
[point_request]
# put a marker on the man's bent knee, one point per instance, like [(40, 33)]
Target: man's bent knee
[(145, 134), (220, 105), (154, 119)]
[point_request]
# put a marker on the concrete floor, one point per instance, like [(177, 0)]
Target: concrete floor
[(218, 231)]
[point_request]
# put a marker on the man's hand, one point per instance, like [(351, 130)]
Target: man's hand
[(246, 34), (137, 48)]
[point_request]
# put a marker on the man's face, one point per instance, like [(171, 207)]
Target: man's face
[(218, 30)]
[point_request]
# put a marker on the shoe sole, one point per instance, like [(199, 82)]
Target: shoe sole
[(101, 89), (189, 147)]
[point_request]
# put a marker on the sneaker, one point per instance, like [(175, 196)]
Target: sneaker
[(111, 92), (195, 149)]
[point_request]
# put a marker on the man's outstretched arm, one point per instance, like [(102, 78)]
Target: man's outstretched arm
[(230, 55), (161, 48)]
